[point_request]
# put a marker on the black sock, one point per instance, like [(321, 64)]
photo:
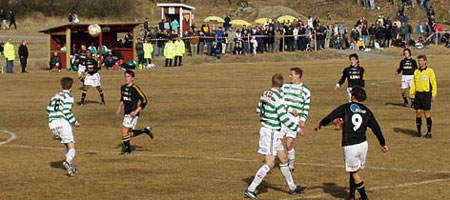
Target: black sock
[(137, 132), (361, 189), (126, 143), (101, 95), (405, 99), (352, 186), (429, 123), (83, 95), (418, 124)]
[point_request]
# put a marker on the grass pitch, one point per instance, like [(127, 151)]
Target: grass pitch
[(206, 136)]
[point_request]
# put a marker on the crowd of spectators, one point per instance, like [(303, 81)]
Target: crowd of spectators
[(7, 20)]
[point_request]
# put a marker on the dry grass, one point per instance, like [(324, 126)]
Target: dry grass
[(206, 112)]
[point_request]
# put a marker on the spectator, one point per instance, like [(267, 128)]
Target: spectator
[(12, 19), (148, 50), (70, 18), (403, 32), (169, 53), (271, 39), (194, 41), (387, 36), (226, 24), (23, 55), (372, 31), (76, 20), (254, 44), (55, 61), (420, 29), (140, 53), (1, 52), (219, 38), (10, 55), (174, 25), (179, 51), (167, 25), (3, 20), (231, 33), (161, 25)]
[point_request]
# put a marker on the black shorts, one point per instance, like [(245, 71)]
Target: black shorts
[(422, 101)]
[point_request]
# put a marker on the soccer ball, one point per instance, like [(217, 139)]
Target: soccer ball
[(94, 30)]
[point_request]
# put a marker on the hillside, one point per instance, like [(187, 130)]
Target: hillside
[(346, 11)]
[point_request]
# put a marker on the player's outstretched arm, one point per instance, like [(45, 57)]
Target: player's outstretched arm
[(338, 112)]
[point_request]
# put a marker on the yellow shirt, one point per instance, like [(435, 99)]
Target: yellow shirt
[(424, 81)]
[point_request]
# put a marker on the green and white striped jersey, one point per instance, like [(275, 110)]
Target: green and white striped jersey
[(273, 112), (297, 97), (60, 107)]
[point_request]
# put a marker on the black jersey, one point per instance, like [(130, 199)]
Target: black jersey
[(130, 97), (354, 75), (407, 66), (357, 118), (91, 63)]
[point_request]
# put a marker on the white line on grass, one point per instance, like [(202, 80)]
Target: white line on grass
[(226, 159), (387, 187), (11, 138)]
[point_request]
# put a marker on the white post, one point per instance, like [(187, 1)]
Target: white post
[(162, 12)]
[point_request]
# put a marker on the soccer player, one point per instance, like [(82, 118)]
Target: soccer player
[(355, 76), (357, 117), (407, 67), (423, 91), (92, 78), (273, 112), (60, 118), (81, 64), (296, 96), (130, 95)]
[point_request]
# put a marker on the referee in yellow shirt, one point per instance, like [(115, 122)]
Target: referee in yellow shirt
[(423, 91)]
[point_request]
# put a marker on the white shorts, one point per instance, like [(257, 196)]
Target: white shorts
[(407, 81), (93, 80), (62, 131), (270, 141), (81, 69), (349, 92), (355, 156), (129, 121), (288, 132)]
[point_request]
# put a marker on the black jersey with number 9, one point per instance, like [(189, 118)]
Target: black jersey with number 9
[(357, 117)]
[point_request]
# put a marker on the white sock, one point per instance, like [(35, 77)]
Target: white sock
[(291, 158), (260, 174), (70, 155), (288, 176)]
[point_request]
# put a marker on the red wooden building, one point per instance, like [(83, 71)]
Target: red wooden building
[(69, 34), (181, 12)]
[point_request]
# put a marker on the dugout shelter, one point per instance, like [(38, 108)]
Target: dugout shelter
[(69, 34), (181, 12)]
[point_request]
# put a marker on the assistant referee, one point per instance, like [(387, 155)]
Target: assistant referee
[(423, 91)]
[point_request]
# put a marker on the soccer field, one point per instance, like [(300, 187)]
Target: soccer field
[(206, 136)]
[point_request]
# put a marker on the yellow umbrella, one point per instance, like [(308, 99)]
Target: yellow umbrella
[(263, 20), (286, 18), (214, 19), (239, 22)]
